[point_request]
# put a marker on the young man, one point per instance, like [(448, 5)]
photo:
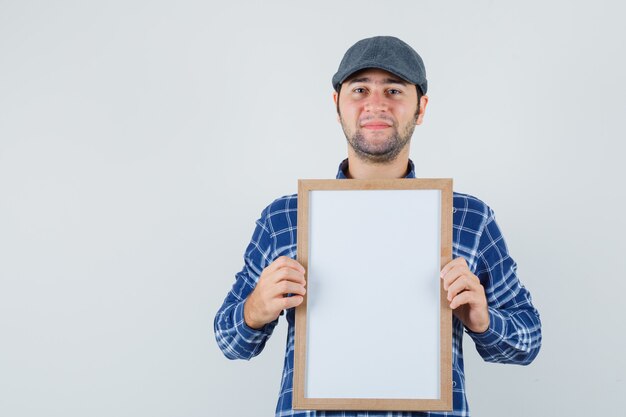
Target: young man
[(380, 94)]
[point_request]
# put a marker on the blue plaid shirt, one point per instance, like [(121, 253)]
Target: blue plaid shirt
[(514, 334)]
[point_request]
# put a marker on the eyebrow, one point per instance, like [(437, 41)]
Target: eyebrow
[(385, 81)]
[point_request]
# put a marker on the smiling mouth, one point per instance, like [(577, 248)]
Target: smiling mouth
[(376, 126)]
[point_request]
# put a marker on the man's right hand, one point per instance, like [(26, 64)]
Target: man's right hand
[(281, 277)]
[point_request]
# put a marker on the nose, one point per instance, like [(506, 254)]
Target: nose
[(376, 102)]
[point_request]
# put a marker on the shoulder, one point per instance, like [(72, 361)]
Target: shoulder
[(279, 220), (280, 214), (470, 212), (471, 204), (281, 206)]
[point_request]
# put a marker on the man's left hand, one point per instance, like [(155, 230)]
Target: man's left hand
[(466, 295)]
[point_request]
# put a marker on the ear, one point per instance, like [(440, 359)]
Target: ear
[(423, 104), (336, 100)]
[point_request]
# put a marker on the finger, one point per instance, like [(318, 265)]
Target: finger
[(463, 283), (284, 262), (453, 263), (287, 274), (289, 302), (466, 297), (453, 274), (287, 287)]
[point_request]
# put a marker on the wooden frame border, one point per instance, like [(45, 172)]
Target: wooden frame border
[(431, 404)]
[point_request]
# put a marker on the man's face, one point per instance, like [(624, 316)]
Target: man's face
[(378, 112)]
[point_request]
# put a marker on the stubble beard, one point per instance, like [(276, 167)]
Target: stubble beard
[(381, 153)]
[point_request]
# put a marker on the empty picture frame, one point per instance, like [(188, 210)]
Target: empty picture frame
[(374, 331)]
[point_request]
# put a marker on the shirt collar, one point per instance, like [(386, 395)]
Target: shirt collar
[(343, 168)]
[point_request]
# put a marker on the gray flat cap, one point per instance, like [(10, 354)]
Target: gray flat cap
[(383, 52)]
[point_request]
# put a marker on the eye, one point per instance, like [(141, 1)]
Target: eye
[(393, 91), (359, 90)]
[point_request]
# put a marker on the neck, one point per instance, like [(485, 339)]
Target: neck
[(368, 170)]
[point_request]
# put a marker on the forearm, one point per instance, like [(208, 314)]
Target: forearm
[(514, 334), (234, 337), (512, 337)]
